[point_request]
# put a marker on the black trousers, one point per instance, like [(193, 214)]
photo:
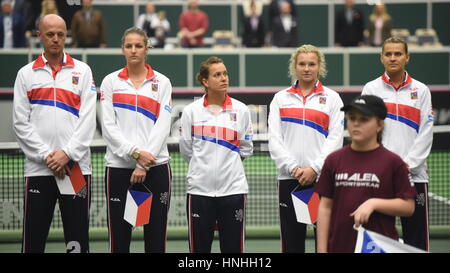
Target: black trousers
[(227, 213), (415, 228), (293, 233), (41, 194), (158, 181)]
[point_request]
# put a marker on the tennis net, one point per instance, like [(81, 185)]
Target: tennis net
[(262, 204)]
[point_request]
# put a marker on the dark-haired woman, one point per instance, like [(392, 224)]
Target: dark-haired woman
[(216, 135)]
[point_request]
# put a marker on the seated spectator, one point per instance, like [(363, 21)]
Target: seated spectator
[(88, 27), (12, 27), (285, 28), (193, 25), (154, 24), (349, 26), (380, 25), (254, 30)]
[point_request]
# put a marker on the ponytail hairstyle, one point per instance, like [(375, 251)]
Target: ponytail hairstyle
[(203, 72)]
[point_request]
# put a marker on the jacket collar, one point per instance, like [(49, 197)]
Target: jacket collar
[(227, 104), (386, 79), (125, 76), (318, 88), (41, 61)]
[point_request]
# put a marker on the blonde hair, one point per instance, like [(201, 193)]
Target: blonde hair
[(395, 40), (45, 9), (203, 72), (307, 49), (373, 17)]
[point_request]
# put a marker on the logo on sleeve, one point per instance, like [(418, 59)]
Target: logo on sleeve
[(93, 87)]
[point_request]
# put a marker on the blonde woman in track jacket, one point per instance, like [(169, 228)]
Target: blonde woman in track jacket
[(305, 125)]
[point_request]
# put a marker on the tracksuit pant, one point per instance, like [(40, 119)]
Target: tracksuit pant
[(158, 181), (415, 228), (41, 194), (227, 213), (293, 233)]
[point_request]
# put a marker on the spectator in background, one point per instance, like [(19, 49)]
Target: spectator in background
[(285, 28), (144, 20), (48, 7), (247, 7), (380, 25), (154, 24), (193, 25), (274, 10), (349, 26), (12, 27), (162, 28), (254, 30), (88, 27), (34, 11)]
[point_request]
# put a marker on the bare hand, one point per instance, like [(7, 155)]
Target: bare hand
[(146, 159), (307, 176), (56, 160), (60, 174), (362, 213), (138, 176)]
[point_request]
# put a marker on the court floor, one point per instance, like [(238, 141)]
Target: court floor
[(181, 246)]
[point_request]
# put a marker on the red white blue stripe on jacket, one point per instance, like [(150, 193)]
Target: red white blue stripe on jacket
[(144, 105), (57, 97), (305, 116), (225, 137), (401, 112)]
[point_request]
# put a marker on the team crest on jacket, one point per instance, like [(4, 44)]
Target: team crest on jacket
[(323, 100), (154, 86), (75, 80), (233, 116), (414, 95)]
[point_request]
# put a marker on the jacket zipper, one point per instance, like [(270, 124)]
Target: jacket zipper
[(216, 166)]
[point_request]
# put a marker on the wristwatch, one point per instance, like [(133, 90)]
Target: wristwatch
[(136, 154)]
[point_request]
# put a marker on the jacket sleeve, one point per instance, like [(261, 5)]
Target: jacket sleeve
[(112, 134), (335, 136), (278, 152), (186, 135), (161, 129), (34, 148), (78, 145), (421, 147), (246, 148)]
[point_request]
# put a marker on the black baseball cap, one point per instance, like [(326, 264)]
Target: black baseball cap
[(369, 105)]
